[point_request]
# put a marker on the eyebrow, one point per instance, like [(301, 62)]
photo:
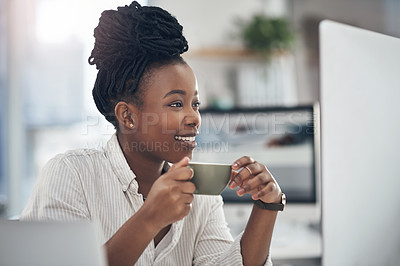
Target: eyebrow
[(182, 92)]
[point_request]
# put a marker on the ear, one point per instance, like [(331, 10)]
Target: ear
[(126, 114)]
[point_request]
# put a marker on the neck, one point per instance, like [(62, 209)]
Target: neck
[(147, 168)]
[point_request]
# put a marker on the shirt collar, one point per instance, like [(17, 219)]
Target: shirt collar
[(118, 162), (120, 166)]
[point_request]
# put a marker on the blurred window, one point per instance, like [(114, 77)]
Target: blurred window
[(52, 40)]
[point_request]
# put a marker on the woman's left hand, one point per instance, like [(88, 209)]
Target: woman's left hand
[(255, 179)]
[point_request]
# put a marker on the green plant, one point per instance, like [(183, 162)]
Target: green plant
[(265, 35)]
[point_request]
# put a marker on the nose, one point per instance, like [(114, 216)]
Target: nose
[(192, 118)]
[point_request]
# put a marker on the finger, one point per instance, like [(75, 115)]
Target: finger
[(183, 162), (181, 174), (237, 179), (233, 173), (187, 198), (243, 161), (232, 183), (186, 201), (246, 173), (240, 179), (255, 184), (261, 179), (240, 192), (254, 168), (270, 193), (188, 187), (186, 210)]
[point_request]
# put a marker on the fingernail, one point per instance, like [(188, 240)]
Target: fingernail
[(192, 172), (232, 185), (235, 165), (240, 191)]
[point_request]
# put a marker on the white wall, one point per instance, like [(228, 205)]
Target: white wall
[(379, 16), (225, 77), (211, 23)]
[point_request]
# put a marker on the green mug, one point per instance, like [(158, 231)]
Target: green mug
[(210, 178)]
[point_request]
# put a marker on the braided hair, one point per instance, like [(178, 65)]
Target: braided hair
[(129, 42)]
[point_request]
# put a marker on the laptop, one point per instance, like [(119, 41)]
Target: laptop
[(49, 243)]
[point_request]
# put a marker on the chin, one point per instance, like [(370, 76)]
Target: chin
[(190, 155), (177, 156)]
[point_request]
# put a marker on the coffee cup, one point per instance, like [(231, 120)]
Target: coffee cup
[(210, 178)]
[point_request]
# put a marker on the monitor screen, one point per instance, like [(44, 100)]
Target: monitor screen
[(281, 138), (360, 131)]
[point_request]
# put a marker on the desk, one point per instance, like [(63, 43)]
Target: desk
[(296, 241)]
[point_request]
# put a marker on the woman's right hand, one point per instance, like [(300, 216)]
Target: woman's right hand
[(170, 197)]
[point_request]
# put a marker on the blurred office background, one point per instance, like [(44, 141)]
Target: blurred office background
[(45, 81)]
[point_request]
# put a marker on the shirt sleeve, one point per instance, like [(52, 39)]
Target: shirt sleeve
[(58, 194), (216, 246)]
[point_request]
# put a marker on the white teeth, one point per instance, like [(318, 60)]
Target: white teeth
[(185, 138)]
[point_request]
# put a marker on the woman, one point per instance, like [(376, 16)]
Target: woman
[(145, 208)]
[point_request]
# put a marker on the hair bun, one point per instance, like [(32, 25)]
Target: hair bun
[(133, 32)]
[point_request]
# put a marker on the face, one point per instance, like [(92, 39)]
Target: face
[(169, 119)]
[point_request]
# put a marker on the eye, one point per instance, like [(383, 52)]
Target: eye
[(196, 104), (177, 104)]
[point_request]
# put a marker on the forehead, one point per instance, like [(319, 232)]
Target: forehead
[(170, 77)]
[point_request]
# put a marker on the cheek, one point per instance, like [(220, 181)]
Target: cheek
[(171, 122), (157, 124)]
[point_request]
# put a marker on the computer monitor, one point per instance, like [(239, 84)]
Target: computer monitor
[(360, 137), (282, 138)]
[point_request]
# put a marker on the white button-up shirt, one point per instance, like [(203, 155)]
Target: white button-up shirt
[(98, 185)]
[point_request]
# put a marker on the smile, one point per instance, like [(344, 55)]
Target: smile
[(186, 142), (187, 139)]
